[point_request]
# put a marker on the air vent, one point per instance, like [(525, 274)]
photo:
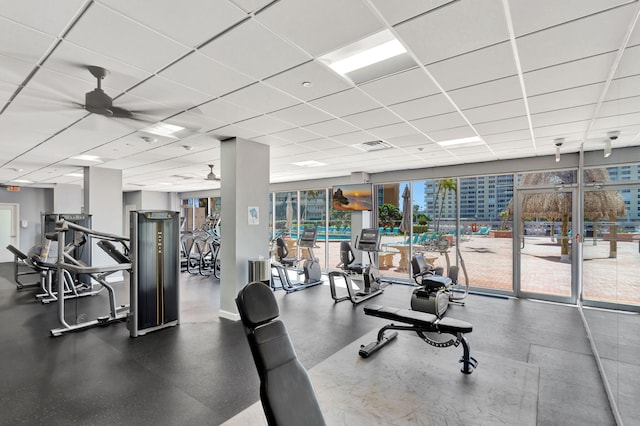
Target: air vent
[(373, 146)]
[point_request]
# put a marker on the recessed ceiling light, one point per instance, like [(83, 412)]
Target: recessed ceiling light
[(306, 84), (475, 140), (309, 163), (365, 52), (187, 147), (75, 175), (22, 181), (163, 129), (88, 158)]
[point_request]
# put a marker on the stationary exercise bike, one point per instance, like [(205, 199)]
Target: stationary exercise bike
[(310, 268), (369, 241), (436, 291)]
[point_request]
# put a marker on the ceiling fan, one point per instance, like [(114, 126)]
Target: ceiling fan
[(98, 102), (212, 176)]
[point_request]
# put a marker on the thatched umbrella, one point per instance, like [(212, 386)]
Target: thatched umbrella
[(557, 205), (603, 204)]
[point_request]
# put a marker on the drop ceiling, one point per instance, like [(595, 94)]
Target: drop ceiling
[(516, 73)]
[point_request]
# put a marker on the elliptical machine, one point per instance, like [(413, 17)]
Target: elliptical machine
[(310, 268), (369, 241)]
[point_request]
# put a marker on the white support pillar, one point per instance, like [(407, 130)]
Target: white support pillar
[(244, 216), (103, 201), (67, 198)]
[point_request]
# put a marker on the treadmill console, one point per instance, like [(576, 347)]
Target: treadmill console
[(369, 240), (308, 238)]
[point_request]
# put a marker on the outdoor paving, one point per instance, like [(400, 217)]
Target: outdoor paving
[(489, 264)]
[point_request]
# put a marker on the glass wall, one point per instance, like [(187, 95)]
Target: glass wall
[(313, 208)]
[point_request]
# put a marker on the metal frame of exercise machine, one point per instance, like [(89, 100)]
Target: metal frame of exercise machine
[(310, 268), (369, 241)]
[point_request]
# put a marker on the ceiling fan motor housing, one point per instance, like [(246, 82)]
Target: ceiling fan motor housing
[(98, 102)]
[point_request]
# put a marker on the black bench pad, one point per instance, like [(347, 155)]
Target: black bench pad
[(419, 319)]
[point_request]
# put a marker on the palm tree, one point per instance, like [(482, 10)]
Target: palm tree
[(444, 186)]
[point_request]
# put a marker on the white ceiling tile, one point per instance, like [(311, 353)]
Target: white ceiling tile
[(414, 141), (353, 138), (393, 131), (50, 18), (297, 135), (395, 12), (226, 112), (423, 107), (572, 74), (505, 137), (6, 90), (439, 122), (272, 140), (344, 103), (620, 106), (135, 45), (206, 75), (495, 112), (630, 62), (196, 120), (568, 98), (452, 133), (253, 50), (585, 37), (306, 23), (301, 115), (234, 131), (501, 126), (205, 18), (72, 61), (454, 29), (262, 98), (566, 115), (491, 63), (321, 144), (528, 16), (404, 86), (24, 44), (323, 81), (506, 89), (373, 118), (252, 5), (624, 87), (331, 127), (170, 93), (617, 122), (265, 124), (13, 70), (560, 130)]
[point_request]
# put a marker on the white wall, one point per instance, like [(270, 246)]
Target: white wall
[(32, 201), (67, 198)]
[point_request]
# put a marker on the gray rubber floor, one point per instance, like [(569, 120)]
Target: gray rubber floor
[(201, 372)]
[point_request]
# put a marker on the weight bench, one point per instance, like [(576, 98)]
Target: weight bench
[(421, 323), (286, 392)]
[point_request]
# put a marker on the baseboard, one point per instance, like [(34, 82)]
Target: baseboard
[(229, 315)]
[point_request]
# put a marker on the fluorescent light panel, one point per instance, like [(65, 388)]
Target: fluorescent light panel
[(88, 158), (309, 163), (163, 129), (75, 175), (476, 140), (368, 51), (22, 181)]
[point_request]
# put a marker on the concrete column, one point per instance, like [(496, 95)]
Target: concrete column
[(103, 201), (244, 216), (67, 198)]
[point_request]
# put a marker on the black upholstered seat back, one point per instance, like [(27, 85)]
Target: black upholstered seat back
[(347, 257), (282, 248), (285, 388)]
